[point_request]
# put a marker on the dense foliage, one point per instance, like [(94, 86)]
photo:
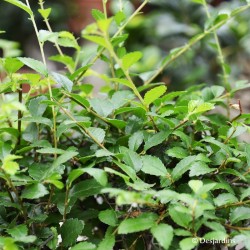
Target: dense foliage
[(137, 167)]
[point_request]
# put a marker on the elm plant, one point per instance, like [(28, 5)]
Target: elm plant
[(139, 167)]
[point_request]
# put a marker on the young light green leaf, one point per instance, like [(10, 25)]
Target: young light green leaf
[(153, 166), (11, 65), (189, 243), (154, 94), (96, 39), (97, 14), (34, 191), (21, 5), (163, 234), (45, 12), (143, 222), (70, 230), (108, 217), (131, 58), (63, 81), (34, 64), (195, 185)]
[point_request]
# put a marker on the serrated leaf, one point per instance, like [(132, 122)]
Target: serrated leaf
[(197, 106), (36, 108), (189, 243), (131, 58), (85, 188), (20, 233), (153, 166), (135, 140), (34, 191), (141, 223), (99, 175), (200, 168), (103, 107), (183, 166), (245, 193), (181, 218), (63, 158), (21, 5), (84, 246), (239, 214), (223, 199), (216, 235), (63, 81), (154, 94), (108, 217), (38, 120), (97, 133), (34, 64), (131, 158), (97, 14), (195, 185), (177, 152), (156, 139), (163, 234), (119, 17), (70, 230)]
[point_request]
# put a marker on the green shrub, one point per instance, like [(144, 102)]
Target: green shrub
[(139, 168)]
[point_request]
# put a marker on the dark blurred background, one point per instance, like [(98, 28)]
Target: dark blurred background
[(163, 26)]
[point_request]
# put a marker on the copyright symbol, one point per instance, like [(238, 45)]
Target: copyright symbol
[(195, 240)]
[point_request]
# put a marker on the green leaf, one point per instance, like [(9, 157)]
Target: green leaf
[(119, 17), (36, 108), (9, 165), (84, 246), (99, 175), (216, 235), (63, 158), (108, 217), (108, 242), (223, 199), (97, 14), (96, 39), (85, 189), (131, 58), (63, 81), (163, 234), (197, 106), (21, 5), (153, 166), (103, 107), (45, 12), (38, 120), (200, 168), (9, 244), (135, 140), (34, 191), (245, 194), (195, 185), (189, 243), (131, 158), (11, 65), (179, 217), (156, 139), (70, 230), (177, 152), (20, 233), (182, 167), (141, 223), (34, 64), (239, 214), (97, 133), (154, 94)]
